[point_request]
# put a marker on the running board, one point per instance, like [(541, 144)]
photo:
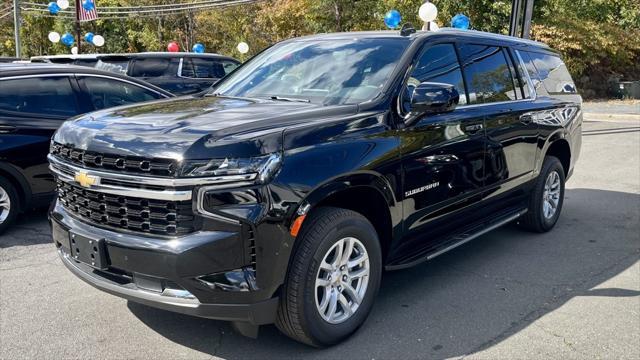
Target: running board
[(458, 240)]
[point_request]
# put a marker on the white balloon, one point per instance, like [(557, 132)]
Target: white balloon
[(98, 40), (63, 4), (243, 47), (54, 37), (428, 12), (74, 50)]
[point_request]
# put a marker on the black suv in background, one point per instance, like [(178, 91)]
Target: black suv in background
[(34, 101), (282, 194), (178, 73)]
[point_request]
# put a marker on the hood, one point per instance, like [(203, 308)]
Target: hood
[(193, 127)]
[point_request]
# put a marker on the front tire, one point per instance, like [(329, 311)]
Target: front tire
[(547, 197), (333, 278), (8, 204)]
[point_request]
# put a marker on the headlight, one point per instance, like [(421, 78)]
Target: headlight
[(258, 169)]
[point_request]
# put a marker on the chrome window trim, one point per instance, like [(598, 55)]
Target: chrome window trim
[(532, 91), (15, 77), (231, 180), (180, 68)]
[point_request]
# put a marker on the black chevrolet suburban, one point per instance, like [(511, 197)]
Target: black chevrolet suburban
[(282, 195)]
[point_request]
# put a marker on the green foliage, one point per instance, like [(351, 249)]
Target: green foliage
[(599, 39)]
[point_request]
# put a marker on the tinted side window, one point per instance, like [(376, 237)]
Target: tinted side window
[(151, 67), (487, 72), (438, 63), (105, 93), (39, 95), (202, 68), (553, 72)]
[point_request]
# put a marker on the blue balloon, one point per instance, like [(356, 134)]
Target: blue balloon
[(392, 19), (460, 21), (53, 8), (198, 48), (89, 37), (67, 39), (88, 5)]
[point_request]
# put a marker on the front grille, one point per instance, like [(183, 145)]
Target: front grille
[(120, 163), (142, 215)]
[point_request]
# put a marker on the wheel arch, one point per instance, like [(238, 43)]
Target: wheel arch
[(366, 193), (559, 147), (18, 181)]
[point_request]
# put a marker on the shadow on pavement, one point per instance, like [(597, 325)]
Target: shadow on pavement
[(466, 300), (31, 228)]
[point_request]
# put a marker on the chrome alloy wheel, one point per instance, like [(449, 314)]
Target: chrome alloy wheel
[(5, 205), (551, 195), (342, 280)]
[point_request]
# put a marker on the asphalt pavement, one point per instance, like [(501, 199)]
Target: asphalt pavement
[(573, 293)]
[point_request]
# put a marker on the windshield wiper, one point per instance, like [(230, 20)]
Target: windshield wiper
[(282, 98)]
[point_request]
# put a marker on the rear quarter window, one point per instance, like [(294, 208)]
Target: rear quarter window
[(553, 73)]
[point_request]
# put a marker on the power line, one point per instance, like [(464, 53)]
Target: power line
[(150, 10)]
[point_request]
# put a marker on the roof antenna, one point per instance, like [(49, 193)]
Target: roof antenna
[(407, 29)]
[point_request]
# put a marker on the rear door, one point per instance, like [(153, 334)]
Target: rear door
[(31, 110), (442, 155), (498, 91)]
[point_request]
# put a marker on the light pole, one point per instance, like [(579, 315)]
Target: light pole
[(16, 27)]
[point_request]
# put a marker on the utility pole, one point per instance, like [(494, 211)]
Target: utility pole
[(78, 30), (16, 27), (520, 23)]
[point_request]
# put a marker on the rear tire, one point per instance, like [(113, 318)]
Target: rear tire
[(9, 205), (547, 197), (328, 294)]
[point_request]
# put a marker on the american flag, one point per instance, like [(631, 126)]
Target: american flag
[(84, 15)]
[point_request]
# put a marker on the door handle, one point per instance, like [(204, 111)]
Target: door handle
[(472, 129), (526, 119), (7, 129)]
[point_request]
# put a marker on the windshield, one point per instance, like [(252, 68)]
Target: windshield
[(325, 72), (116, 66)]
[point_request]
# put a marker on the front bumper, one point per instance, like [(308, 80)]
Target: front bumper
[(167, 273)]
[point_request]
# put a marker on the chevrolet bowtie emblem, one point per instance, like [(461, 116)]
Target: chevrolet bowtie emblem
[(86, 180)]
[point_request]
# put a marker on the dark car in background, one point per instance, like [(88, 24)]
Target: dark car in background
[(282, 194), (35, 99), (8, 59), (178, 73)]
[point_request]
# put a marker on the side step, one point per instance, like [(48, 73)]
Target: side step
[(465, 235)]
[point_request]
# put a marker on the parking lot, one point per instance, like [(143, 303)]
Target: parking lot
[(570, 293)]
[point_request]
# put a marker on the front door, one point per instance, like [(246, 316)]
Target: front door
[(442, 155)]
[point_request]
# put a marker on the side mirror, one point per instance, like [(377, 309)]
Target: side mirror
[(433, 98)]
